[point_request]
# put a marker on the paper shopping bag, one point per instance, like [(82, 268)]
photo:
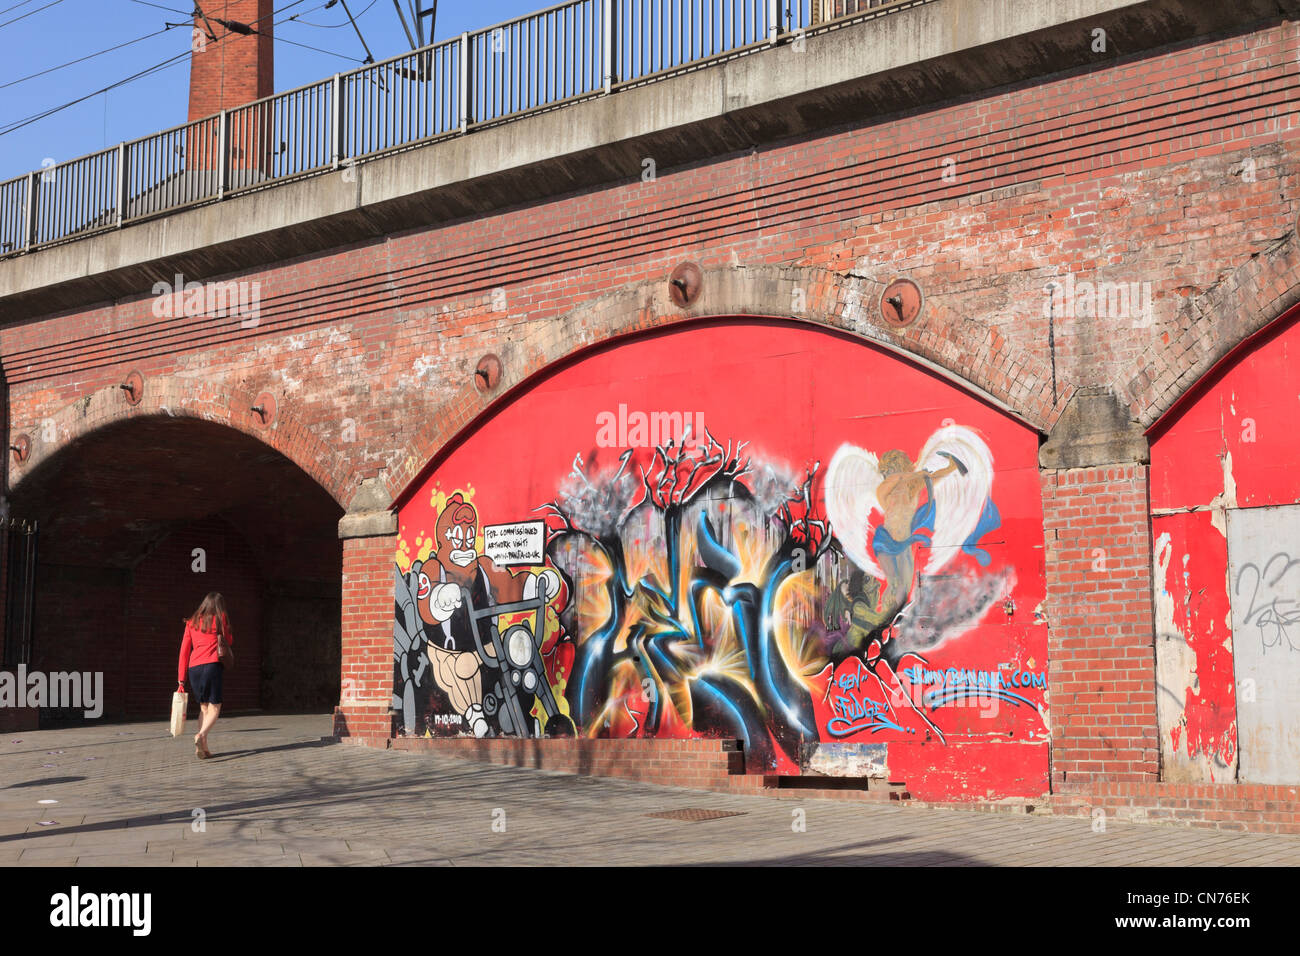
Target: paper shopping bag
[(180, 704)]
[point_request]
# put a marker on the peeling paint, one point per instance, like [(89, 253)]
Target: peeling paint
[(1196, 709), (1225, 499)]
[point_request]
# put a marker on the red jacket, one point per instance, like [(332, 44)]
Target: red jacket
[(200, 647)]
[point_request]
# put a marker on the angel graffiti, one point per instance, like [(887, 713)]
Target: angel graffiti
[(890, 513), (457, 569)]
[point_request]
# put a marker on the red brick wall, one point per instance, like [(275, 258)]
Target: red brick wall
[(80, 624), (367, 691), (301, 653), (1272, 809), (1125, 172), (1177, 168), (706, 764), (17, 718), (165, 591), (128, 625), (1100, 631)]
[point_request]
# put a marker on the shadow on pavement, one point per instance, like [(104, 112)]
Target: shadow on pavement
[(227, 755), (836, 858), (99, 743), (44, 782)]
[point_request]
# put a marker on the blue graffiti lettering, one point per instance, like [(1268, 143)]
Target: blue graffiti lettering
[(956, 684), (855, 714)]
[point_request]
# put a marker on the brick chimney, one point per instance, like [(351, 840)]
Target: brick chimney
[(235, 69), (231, 71)]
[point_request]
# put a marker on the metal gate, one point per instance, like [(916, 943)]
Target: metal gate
[(18, 578)]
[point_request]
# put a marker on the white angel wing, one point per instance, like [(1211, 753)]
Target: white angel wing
[(958, 498), (851, 483)]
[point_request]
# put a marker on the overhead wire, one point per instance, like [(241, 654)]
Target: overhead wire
[(331, 26), (35, 117), (16, 6), (29, 13), (172, 61), (88, 56), (146, 3)]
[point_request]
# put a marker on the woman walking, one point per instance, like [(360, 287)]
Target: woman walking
[(201, 652)]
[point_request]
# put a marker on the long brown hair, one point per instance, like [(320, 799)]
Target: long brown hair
[(211, 615)]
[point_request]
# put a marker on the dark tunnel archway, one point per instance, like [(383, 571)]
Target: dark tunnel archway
[(139, 520)]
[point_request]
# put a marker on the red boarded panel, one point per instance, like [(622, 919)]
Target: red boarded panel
[(1228, 448), (1237, 438), (745, 529), (1196, 702)]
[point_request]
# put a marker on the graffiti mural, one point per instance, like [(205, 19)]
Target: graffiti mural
[(792, 577), (479, 637)]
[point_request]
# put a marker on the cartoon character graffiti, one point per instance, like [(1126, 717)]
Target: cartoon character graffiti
[(459, 593)]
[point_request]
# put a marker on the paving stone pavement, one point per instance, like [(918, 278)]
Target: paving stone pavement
[(276, 795)]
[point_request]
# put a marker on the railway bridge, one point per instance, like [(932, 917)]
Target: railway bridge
[(899, 390)]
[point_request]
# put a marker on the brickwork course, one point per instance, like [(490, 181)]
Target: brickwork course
[(1176, 163)]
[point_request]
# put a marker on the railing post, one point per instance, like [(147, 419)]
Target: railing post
[(609, 46), (121, 184), (464, 81), (29, 232), (772, 28), (336, 117), (223, 154)]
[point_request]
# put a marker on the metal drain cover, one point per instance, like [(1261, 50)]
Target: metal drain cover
[(694, 814)]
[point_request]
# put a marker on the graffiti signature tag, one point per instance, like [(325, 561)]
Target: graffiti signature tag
[(1271, 612), (854, 714)]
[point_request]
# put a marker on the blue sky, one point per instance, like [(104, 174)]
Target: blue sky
[(69, 29)]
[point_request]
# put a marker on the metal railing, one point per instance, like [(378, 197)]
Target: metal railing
[(394, 104), (564, 53)]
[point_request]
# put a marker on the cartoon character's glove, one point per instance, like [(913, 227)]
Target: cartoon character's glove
[(550, 585), (443, 601)]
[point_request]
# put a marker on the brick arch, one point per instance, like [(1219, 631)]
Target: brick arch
[(1211, 326), (961, 348), (184, 398)]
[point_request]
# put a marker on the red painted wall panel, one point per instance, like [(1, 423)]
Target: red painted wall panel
[(1231, 446), (814, 622), (1238, 437), (1194, 672)]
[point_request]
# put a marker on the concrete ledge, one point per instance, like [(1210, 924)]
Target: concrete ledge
[(1093, 431), (900, 59), (373, 524)]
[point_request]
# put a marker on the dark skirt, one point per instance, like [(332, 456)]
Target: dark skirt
[(205, 682)]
